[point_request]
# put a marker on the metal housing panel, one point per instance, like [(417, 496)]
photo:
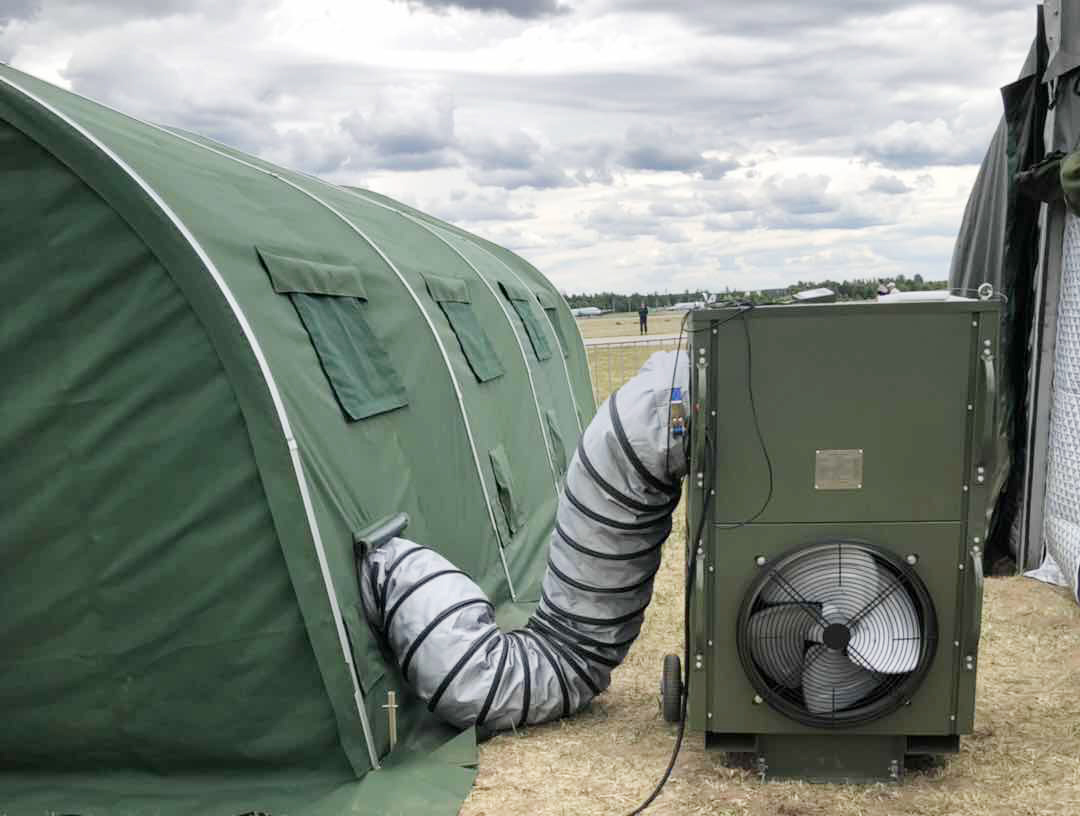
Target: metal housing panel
[(734, 553), (860, 379)]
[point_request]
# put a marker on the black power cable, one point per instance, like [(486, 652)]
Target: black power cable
[(691, 562)]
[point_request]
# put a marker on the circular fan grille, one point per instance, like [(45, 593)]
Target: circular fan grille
[(837, 633)]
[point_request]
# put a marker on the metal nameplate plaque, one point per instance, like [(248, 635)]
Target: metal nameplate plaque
[(838, 469)]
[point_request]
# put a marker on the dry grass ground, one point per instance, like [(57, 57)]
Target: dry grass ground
[(1022, 760)]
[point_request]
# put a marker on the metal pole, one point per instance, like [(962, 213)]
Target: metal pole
[(610, 355), (391, 717)]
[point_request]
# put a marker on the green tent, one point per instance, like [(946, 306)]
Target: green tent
[(215, 373)]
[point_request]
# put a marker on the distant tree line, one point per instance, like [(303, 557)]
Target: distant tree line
[(863, 289)]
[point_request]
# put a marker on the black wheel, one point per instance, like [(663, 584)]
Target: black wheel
[(671, 689)]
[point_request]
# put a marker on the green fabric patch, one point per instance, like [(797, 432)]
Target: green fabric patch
[(522, 300), (551, 309), (553, 318), (556, 440), (515, 292), (1070, 181), (452, 295), (546, 300), (291, 275), (355, 362), (443, 289), (504, 481)]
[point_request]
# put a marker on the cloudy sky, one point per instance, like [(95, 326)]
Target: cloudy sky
[(652, 145)]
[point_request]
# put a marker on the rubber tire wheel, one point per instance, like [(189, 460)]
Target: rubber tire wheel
[(671, 689)]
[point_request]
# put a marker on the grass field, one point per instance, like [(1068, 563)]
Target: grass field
[(612, 365), (1022, 760), (626, 323)]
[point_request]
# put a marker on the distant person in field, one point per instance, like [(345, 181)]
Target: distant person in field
[(643, 319)]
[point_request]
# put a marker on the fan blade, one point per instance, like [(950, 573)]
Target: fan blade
[(888, 639), (832, 683), (778, 636), (845, 576)]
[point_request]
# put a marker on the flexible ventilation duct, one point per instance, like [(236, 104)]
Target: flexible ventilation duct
[(614, 514)]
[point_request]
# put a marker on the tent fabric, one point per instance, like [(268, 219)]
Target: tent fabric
[(182, 485), (998, 243), (1043, 180), (575, 368)]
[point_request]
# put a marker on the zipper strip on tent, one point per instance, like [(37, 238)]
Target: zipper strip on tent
[(419, 305), (506, 313), (271, 384)]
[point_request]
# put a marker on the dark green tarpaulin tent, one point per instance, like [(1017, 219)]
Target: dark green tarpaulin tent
[(998, 243), (214, 373)]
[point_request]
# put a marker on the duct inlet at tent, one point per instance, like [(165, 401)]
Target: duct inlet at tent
[(614, 515)]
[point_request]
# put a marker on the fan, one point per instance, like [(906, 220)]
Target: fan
[(836, 633)]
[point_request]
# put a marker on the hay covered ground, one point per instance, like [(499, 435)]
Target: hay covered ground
[(1022, 760)]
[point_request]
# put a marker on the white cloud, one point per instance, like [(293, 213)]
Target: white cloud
[(472, 207), (650, 144), (888, 185), (524, 9), (906, 144)]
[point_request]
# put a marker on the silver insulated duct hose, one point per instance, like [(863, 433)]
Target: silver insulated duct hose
[(614, 514)]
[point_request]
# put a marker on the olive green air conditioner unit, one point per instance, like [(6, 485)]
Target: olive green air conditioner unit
[(841, 478)]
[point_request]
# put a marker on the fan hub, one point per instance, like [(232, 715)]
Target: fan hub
[(836, 637)]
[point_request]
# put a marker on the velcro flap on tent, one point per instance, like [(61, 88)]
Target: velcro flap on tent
[(551, 307), (546, 300), (515, 292), (330, 300), (447, 290), (290, 274), (556, 440), (524, 302), (504, 482), (452, 295)]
